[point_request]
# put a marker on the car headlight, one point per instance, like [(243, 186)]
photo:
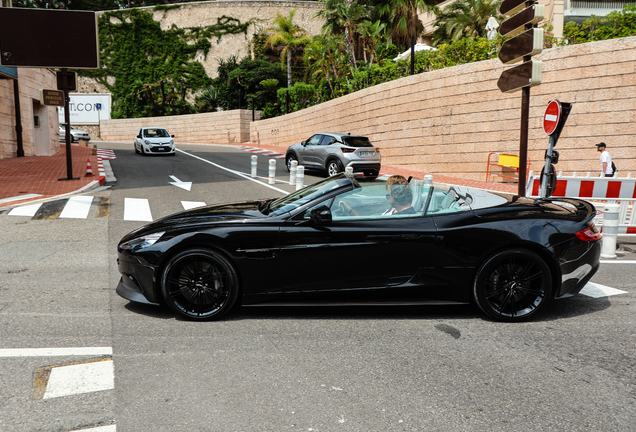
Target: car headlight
[(141, 242), (147, 142), (171, 142)]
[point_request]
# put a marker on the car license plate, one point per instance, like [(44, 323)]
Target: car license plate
[(366, 153)]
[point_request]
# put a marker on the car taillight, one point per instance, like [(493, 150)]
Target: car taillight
[(348, 150), (589, 234)]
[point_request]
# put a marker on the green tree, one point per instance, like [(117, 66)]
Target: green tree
[(403, 17), (371, 33), (287, 35), (464, 18), (343, 17)]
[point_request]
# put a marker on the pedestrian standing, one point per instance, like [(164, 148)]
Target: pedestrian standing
[(607, 169)]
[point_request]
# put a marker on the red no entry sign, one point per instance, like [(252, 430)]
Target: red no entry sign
[(551, 117)]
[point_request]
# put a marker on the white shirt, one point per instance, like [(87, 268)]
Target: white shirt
[(606, 157)]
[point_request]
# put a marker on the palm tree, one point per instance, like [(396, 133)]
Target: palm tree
[(319, 59), (343, 16), (403, 16), (464, 18), (370, 33), (288, 35)]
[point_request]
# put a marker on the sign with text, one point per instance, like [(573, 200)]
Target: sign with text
[(52, 97), (47, 38), (84, 108)]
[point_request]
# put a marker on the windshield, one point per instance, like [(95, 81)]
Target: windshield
[(357, 141), (303, 196), (156, 133)]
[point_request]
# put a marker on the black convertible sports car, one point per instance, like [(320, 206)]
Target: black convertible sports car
[(336, 242)]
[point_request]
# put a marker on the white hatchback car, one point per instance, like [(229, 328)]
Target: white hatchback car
[(154, 140)]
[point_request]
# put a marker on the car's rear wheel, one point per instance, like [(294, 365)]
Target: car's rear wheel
[(288, 161), (513, 285), (334, 166), (199, 284)]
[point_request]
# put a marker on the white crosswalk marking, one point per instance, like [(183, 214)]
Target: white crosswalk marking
[(80, 378), (109, 428), (27, 210), (77, 207), (187, 205), (137, 209)]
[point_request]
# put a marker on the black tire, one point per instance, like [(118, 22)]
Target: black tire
[(136, 150), (199, 284), (334, 166), (288, 161), (513, 285)]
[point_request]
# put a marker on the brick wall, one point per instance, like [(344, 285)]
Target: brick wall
[(208, 128), (449, 120)]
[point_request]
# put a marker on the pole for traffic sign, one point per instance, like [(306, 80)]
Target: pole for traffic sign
[(523, 140), (67, 127)]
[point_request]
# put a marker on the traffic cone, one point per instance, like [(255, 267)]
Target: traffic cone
[(89, 169)]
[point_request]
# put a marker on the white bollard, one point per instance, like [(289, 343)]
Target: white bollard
[(254, 163), (272, 171), (292, 172), (300, 177), (610, 231), (428, 180), (349, 170)]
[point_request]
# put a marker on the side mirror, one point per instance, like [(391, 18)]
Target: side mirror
[(304, 143), (321, 215), (172, 136)]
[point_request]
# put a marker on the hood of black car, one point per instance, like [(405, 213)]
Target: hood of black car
[(202, 215)]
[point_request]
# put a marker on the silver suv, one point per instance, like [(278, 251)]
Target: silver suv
[(334, 152)]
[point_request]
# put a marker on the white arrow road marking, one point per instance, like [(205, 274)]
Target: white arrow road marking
[(27, 210), (80, 378), (187, 205), (179, 183), (137, 209), (595, 290), (77, 207)]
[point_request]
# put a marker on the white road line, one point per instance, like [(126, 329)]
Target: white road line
[(51, 352), (187, 205), (595, 290), (618, 262), (27, 210), (77, 207), (245, 176), (137, 209), (80, 378), (109, 428)]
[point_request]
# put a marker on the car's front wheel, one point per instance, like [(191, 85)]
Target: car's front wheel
[(513, 285), (136, 149), (334, 166), (288, 161), (199, 284)]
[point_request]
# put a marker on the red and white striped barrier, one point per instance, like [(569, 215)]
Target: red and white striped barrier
[(600, 191), (587, 187)]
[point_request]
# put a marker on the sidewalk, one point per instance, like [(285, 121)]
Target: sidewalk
[(33, 178)]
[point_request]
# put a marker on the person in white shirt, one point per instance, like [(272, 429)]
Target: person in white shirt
[(606, 161)]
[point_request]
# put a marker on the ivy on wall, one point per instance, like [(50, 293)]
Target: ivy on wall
[(153, 72)]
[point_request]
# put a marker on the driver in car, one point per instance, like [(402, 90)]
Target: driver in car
[(398, 193)]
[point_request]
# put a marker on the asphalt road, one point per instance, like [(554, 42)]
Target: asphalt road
[(287, 369)]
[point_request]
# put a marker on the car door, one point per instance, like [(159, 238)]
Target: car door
[(307, 152), (360, 258), (321, 151)]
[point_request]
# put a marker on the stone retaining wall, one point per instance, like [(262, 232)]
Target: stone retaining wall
[(449, 120), (209, 128)]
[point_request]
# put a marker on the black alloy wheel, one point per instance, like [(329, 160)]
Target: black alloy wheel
[(334, 166), (288, 161), (199, 284), (513, 285)]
